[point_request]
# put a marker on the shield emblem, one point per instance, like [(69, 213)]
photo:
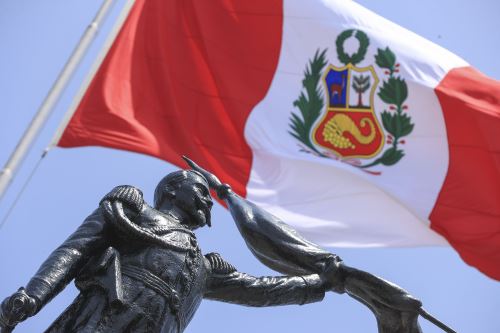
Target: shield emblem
[(349, 126)]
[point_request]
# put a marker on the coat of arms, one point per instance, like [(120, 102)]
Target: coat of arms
[(337, 114)]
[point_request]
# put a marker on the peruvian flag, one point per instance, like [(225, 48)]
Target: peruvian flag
[(355, 131)]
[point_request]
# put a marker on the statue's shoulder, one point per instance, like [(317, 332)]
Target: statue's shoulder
[(122, 205), (218, 265), (129, 195)]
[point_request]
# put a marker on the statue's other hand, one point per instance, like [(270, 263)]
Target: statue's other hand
[(223, 191), (333, 276), (16, 308)]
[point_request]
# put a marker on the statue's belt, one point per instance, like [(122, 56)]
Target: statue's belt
[(155, 283)]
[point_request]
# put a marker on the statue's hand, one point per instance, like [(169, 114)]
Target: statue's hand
[(223, 191), (333, 276), (15, 309)]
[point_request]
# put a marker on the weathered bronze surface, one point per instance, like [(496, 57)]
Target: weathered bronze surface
[(139, 267)]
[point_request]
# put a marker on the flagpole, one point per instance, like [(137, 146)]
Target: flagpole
[(95, 66), (30, 134)]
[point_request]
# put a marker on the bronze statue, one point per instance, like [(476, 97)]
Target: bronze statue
[(139, 268)]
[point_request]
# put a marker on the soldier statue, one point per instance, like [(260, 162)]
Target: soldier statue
[(139, 268)]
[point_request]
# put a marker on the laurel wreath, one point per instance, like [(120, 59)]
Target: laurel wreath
[(394, 92), (357, 56)]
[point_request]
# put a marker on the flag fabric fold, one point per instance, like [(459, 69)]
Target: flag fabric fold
[(348, 127)]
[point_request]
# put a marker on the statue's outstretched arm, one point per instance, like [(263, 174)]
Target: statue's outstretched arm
[(55, 273), (226, 284), (280, 247), (64, 263)]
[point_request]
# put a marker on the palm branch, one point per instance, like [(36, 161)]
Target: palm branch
[(310, 101)]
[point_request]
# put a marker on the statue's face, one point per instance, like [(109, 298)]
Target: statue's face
[(193, 197)]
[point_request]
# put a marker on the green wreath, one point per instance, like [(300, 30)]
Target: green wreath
[(358, 56)]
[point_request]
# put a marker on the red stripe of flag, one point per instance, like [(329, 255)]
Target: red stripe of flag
[(182, 78), (467, 212)]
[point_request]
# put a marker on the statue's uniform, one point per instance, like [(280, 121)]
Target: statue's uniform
[(129, 285)]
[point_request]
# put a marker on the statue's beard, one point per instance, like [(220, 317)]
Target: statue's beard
[(197, 213), (198, 217), (202, 217)]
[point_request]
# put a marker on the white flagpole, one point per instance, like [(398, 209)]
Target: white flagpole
[(51, 99)]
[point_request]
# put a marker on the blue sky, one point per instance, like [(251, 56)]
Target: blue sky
[(36, 39)]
